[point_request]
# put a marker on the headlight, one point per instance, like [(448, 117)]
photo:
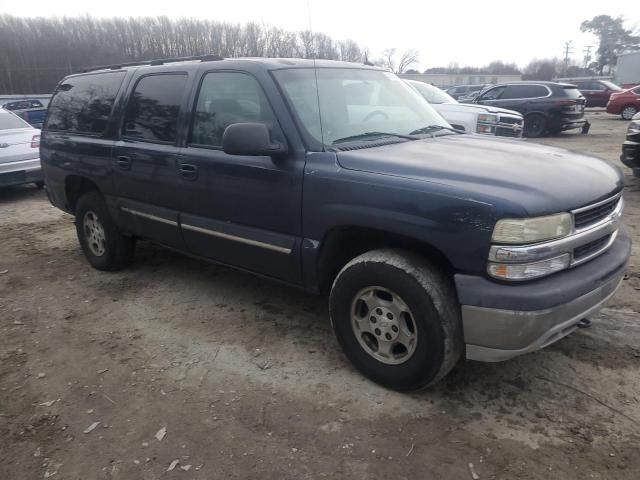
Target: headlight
[(526, 271), (531, 230), (487, 118)]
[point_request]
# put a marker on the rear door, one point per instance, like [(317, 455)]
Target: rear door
[(145, 158), (240, 210)]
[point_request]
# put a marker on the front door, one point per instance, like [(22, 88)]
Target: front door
[(240, 210), (145, 159)]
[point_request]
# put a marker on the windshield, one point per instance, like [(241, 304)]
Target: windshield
[(9, 121), (353, 103), (611, 86), (431, 94)]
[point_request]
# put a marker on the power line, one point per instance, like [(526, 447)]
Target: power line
[(568, 50)]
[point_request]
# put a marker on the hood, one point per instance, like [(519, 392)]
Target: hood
[(521, 177), (477, 108)]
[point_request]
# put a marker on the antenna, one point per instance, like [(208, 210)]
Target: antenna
[(315, 70)]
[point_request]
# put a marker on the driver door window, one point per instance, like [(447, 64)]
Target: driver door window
[(226, 98), (493, 94)]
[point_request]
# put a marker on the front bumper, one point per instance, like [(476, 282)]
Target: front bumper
[(23, 171), (501, 321)]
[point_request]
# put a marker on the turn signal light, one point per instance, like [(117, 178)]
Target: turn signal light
[(35, 141)]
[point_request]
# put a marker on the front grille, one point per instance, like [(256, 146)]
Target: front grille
[(510, 120), (592, 215), (588, 248), (507, 132)]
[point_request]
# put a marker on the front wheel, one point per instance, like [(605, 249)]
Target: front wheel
[(628, 112), (101, 241), (397, 319), (535, 126)]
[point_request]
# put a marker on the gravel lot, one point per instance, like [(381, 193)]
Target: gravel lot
[(249, 382)]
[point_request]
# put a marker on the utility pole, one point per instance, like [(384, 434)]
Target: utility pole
[(587, 57), (567, 51)]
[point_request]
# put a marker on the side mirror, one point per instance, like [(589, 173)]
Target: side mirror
[(250, 139)]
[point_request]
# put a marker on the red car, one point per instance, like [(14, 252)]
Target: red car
[(625, 103)]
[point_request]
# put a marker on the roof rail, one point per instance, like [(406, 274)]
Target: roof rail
[(158, 61)]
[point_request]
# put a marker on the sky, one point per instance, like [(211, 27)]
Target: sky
[(467, 32)]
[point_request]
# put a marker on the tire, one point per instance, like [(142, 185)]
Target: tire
[(535, 125), (101, 241), (628, 111), (433, 312)]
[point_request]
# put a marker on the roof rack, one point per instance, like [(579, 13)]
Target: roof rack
[(158, 61)]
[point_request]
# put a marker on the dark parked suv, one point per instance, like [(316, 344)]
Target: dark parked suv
[(340, 179), (547, 107)]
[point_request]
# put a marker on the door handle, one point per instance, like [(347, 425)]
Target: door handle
[(189, 171), (124, 163)]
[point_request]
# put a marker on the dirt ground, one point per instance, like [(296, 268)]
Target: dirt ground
[(248, 381)]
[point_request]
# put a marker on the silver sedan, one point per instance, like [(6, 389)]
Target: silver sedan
[(19, 151)]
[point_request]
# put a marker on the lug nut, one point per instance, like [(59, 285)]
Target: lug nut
[(394, 328), (390, 316), (379, 311), (377, 331), (373, 320), (388, 336)]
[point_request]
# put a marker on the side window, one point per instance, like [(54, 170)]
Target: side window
[(493, 94), (637, 91), (226, 98), (525, 91), (83, 104), (152, 111)]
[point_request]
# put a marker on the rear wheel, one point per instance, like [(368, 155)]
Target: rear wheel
[(397, 319), (628, 112), (535, 125), (101, 241)]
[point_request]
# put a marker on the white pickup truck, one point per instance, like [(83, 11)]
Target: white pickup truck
[(482, 119)]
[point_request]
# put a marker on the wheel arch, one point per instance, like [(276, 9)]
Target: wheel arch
[(342, 244), (75, 186)]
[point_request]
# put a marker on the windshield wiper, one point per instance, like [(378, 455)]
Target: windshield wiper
[(434, 128), (365, 135)]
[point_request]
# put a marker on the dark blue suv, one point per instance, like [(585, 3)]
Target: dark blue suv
[(339, 178)]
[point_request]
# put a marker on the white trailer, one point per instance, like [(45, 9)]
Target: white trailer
[(628, 69)]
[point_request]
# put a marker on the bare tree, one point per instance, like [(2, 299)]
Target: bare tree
[(407, 59), (35, 53)]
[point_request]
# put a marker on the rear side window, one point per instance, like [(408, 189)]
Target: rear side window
[(572, 92), (525, 91), (152, 111), (9, 121), (226, 98), (83, 104)]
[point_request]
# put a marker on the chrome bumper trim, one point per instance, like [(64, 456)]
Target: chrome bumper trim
[(494, 335), (20, 165)]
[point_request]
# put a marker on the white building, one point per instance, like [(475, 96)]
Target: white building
[(446, 80)]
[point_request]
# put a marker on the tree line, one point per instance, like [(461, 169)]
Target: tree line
[(35, 53)]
